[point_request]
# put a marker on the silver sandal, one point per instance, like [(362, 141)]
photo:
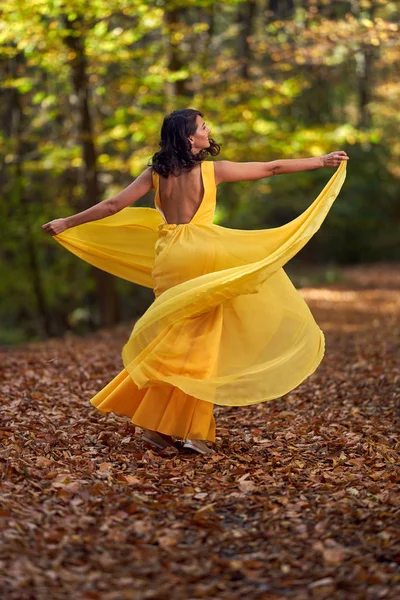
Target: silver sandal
[(198, 446)]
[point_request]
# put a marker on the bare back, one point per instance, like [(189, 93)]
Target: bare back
[(181, 196)]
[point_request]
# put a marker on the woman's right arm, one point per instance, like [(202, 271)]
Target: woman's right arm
[(106, 208), (226, 170)]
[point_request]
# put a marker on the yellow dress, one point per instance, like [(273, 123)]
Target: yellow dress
[(226, 327)]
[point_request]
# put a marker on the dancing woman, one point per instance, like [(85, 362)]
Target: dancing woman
[(227, 326)]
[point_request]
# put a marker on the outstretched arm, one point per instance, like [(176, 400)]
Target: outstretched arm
[(226, 170), (106, 208)]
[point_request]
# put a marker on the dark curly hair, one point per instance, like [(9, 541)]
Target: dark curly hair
[(175, 154)]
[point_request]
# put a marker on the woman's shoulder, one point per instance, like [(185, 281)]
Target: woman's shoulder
[(220, 167), (151, 174)]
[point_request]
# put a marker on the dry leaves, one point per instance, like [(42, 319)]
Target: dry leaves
[(301, 500)]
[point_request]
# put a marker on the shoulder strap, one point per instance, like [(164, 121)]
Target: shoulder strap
[(154, 178), (208, 170)]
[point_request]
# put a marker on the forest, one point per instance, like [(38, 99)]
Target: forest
[(84, 89), (299, 497)]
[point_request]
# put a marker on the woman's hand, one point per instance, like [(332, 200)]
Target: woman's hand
[(334, 158), (55, 227)]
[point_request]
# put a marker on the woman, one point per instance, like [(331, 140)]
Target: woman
[(227, 326)]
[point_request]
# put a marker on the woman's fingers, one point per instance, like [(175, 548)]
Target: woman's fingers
[(335, 158), (47, 228), (340, 155), (55, 227)]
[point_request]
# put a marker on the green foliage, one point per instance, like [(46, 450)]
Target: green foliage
[(282, 84)]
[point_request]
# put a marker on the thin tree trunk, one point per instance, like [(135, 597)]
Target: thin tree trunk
[(106, 291), (282, 9), (245, 18), (365, 57), (18, 126), (174, 53), (364, 62)]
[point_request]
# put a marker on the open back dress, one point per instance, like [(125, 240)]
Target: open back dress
[(226, 327)]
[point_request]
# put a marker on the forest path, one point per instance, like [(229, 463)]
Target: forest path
[(301, 500)]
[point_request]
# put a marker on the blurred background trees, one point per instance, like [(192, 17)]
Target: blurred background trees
[(85, 86)]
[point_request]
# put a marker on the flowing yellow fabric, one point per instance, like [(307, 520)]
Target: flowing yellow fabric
[(227, 326), (123, 245)]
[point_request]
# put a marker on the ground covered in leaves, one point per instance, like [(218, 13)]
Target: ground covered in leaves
[(300, 501)]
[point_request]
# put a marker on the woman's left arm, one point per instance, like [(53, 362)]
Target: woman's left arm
[(226, 170)]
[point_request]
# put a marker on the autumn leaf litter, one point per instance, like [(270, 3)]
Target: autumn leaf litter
[(301, 499)]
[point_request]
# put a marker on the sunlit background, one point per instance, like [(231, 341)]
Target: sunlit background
[(85, 86)]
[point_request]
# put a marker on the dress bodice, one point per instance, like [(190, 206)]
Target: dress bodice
[(205, 213)]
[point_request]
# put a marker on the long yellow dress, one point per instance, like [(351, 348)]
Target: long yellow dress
[(226, 327)]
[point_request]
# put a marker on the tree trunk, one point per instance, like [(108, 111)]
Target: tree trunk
[(175, 59), (364, 66), (106, 293), (365, 57), (18, 126), (282, 9), (245, 18)]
